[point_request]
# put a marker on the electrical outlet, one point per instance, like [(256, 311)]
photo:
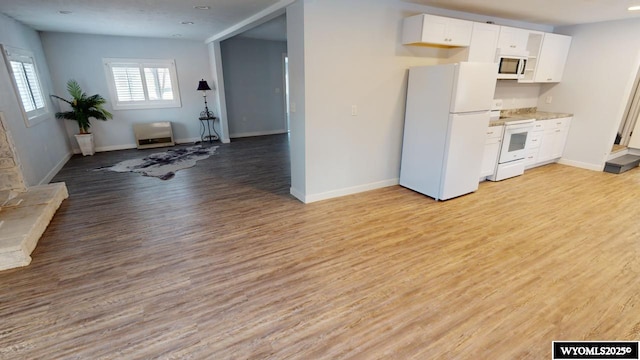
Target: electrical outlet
[(277, 90), (354, 110), (292, 107), (549, 99)]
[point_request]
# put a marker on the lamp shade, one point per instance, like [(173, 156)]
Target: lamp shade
[(203, 86)]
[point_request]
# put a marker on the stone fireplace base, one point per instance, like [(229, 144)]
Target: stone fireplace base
[(24, 216)]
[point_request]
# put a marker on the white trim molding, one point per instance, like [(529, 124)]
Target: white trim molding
[(143, 83), (582, 165), (263, 16), (342, 192), (258, 133)]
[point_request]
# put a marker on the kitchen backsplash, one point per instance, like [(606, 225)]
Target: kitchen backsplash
[(516, 95)]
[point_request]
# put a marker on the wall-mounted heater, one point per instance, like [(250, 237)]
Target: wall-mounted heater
[(155, 134)]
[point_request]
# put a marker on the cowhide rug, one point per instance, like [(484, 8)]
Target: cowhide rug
[(164, 165)]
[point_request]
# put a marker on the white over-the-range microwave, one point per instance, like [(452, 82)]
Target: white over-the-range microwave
[(511, 64)]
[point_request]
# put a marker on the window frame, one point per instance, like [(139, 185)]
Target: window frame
[(141, 64), (10, 54)]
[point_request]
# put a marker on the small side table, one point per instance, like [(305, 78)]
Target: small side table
[(206, 124)]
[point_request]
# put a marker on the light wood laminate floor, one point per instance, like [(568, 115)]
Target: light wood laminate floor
[(222, 263)]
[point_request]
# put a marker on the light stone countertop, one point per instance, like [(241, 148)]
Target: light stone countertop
[(524, 114)]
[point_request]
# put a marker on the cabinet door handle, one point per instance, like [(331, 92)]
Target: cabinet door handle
[(549, 79)]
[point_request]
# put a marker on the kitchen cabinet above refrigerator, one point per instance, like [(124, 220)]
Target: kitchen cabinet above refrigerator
[(438, 30), (484, 41)]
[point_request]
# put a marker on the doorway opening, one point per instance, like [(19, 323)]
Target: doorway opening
[(629, 119), (285, 61)]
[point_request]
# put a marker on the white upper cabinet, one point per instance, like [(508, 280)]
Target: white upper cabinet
[(513, 39), (552, 57), (547, 52), (533, 47), (431, 29), (484, 41)]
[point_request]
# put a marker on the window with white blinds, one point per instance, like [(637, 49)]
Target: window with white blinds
[(142, 84), (24, 74)]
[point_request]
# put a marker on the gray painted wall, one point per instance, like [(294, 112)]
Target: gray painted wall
[(254, 86), (43, 148), (79, 57)]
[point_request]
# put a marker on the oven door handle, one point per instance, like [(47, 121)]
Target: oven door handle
[(519, 122)]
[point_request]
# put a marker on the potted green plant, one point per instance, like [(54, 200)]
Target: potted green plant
[(83, 108)]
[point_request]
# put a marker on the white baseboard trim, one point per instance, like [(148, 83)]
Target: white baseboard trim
[(635, 152), (133, 146), (581, 165), (108, 148), (343, 192), (617, 154), (298, 194), (51, 174), (197, 139), (115, 147), (187, 140), (258, 133)]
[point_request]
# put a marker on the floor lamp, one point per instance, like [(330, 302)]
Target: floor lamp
[(204, 87)]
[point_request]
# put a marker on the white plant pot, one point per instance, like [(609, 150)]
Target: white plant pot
[(87, 146)]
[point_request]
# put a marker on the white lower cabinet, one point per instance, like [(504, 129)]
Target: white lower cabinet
[(547, 141), (533, 144), (491, 150), (560, 138)]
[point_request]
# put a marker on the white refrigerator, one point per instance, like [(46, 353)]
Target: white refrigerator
[(446, 119)]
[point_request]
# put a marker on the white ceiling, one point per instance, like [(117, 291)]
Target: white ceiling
[(146, 18), (163, 18), (547, 12)]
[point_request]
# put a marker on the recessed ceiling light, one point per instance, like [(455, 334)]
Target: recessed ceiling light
[(65, 12), (202, 7), (176, 35), (187, 23), (634, 8)]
